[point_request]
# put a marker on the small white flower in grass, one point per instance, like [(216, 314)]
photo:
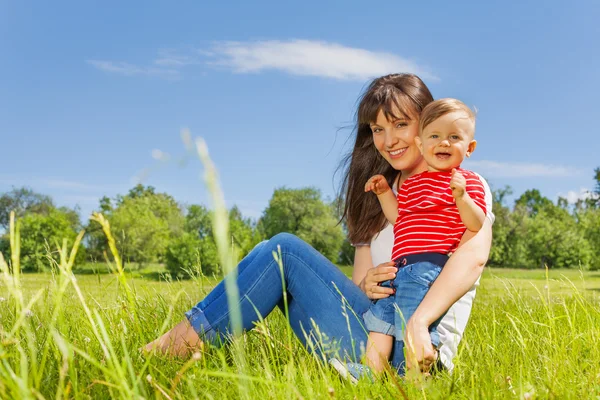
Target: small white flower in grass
[(87, 339), (530, 393), (196, 356), (28, 313), (2, 299), (546, 287), (123, 325)]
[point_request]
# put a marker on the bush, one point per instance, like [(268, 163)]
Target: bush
[(183, 256)]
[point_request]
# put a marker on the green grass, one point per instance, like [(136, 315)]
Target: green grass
[(528, 336)]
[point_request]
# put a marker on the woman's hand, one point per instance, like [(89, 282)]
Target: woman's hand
[(458, 276), (370, 284), (419, 350)]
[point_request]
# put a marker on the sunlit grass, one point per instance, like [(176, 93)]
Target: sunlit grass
[(523, 339)]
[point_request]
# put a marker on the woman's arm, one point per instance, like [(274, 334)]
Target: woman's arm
[(458, 276), (362, 263)]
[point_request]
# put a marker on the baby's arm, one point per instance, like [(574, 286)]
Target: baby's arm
[(471, 214), (379, 185)]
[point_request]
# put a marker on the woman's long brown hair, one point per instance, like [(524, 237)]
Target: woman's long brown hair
[(402, 92)]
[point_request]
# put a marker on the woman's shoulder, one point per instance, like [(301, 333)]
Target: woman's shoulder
[(469, 173)]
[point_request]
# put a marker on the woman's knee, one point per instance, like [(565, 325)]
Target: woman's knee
[(285, 240)]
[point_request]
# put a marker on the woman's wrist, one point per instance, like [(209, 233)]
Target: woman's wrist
[(422, 318), (361, 285)]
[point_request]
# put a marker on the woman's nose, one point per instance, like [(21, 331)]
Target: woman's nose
[(390, 139)]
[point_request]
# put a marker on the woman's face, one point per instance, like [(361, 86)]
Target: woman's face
[(395, 141)]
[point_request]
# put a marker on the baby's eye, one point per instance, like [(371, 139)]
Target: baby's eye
[(433, 136), (454, 137)]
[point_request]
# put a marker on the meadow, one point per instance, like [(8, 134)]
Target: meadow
[(531, 335)]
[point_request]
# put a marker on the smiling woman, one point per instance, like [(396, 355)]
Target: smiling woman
[(322, 302)]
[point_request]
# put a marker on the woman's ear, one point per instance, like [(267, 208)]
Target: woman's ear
[(471, 147), (419, 144)]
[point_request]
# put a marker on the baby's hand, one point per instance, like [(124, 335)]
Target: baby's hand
[(458, 184), (377, 184)]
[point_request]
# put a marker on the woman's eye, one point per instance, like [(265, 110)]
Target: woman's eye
[(376, 130), (401, 124)]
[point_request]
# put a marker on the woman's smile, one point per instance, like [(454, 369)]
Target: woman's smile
[(397, 153)]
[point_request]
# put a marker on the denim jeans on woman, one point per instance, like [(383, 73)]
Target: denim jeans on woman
[(318, 295)]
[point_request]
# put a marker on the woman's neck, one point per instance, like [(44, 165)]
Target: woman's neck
[(407, 173)]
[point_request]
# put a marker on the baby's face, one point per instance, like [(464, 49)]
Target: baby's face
[(446, 141)]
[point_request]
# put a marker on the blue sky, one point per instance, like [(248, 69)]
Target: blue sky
[(91, 90)]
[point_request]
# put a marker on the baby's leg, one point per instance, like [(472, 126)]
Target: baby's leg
[(379, 348), (413, 282)]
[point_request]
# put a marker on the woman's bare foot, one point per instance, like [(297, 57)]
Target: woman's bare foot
[(181, 341)]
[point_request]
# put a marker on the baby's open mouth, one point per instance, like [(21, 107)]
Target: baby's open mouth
[(442, 156)]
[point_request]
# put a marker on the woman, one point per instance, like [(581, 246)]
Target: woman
[(391, 104)]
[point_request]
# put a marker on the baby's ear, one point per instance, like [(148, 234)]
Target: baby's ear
[(471, 148), (419, 143)]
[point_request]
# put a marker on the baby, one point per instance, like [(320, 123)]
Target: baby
[(430, 215)]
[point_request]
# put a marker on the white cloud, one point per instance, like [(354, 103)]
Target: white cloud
[(123, 68), (573, 196), (174, 59), (295, 57), (312, 58), (494, 169)]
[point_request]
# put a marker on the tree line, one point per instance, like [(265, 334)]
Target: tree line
[(152, 227)]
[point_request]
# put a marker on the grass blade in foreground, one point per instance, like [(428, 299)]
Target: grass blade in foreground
[(221, 234)]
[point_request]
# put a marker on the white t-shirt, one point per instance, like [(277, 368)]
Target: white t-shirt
[(452, 325)]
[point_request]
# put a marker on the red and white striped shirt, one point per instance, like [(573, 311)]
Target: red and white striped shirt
[(428, 219)]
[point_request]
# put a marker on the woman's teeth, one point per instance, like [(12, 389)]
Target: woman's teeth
[(397, 152)]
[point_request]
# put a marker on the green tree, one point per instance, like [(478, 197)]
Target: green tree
[(346, 256), (532, 200), (503, 229), (554, 239), (198, 222), (95, 238), (23, 200), (595, 200), (143, 223), (589, 223), (40, 236), (183, 256), (244, 235), (303, 213)]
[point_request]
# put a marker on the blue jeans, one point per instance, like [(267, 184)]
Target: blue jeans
[(389, 315), (315, 289)]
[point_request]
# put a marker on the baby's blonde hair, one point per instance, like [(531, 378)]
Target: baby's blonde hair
[(441, 107)]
